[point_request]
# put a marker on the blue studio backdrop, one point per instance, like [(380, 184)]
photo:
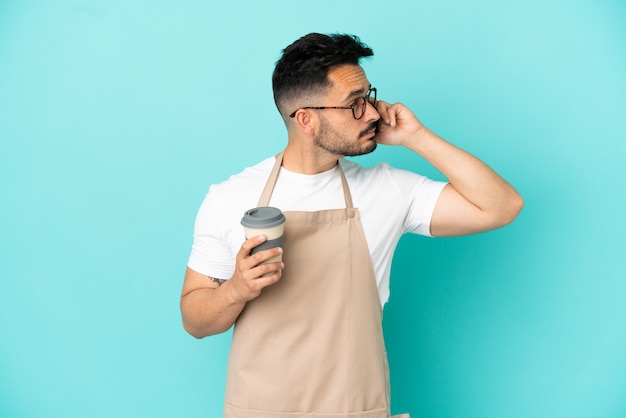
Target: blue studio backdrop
[(116, 116)]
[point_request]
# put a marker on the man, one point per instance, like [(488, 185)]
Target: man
[(308, 338)]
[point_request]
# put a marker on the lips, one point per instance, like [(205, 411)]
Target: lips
[(370, 131)]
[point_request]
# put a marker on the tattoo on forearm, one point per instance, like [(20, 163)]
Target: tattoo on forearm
[(218, 281)]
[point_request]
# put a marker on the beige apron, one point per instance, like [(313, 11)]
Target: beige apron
[(311, 345)]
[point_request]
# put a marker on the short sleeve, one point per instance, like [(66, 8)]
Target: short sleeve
[(210, 254), (421, 194)]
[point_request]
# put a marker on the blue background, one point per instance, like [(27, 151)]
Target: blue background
[(116, 116)]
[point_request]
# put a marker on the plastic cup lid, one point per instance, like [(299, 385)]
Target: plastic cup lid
[(262, 217)]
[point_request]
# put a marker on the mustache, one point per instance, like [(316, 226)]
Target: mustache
[(373, 125)]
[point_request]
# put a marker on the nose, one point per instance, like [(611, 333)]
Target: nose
[(371, 114)]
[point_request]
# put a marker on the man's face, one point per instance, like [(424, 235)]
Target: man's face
[(339, 133)]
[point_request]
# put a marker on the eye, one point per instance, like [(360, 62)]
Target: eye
[(358, 108), (358, 102)]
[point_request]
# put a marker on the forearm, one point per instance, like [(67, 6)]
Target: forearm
[(209, 311), (210, 305)]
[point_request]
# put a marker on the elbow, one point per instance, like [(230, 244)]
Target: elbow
[(198, 322), (517, 206), (190, 324), (194, 332), (512, 209), (200, 331)]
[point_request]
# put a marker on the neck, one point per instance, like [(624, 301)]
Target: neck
[(308, 161)]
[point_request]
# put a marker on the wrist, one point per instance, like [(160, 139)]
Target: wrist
[(418, 140), (231, 295)]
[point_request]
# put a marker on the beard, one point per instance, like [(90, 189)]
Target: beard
[(329, 139)]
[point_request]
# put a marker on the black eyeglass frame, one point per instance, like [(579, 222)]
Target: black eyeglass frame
[(366, 100)]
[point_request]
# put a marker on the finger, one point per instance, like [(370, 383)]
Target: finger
[(249, 244), (265, 275), (388, 113), (392, 113), (383, 109), (265, 255), (267, 269), (251, 279)]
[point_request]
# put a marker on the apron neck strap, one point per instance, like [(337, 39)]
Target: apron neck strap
[(271, 182)]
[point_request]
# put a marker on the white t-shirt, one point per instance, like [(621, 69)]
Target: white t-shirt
[(390, 202)]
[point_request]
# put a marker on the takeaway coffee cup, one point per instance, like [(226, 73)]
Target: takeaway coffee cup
[(267, 221)]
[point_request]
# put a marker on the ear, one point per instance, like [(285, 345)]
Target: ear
[(307, 121)]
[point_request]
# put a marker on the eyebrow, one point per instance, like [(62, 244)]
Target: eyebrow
[(357, 93)]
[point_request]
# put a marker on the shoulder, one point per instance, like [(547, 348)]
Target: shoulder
[(250, 173), (384, 184), (238, 193), (250, 178)]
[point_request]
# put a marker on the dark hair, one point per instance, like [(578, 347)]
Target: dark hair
[(304, 65)]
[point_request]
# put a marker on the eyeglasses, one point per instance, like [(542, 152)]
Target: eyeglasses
[(358, 107)]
